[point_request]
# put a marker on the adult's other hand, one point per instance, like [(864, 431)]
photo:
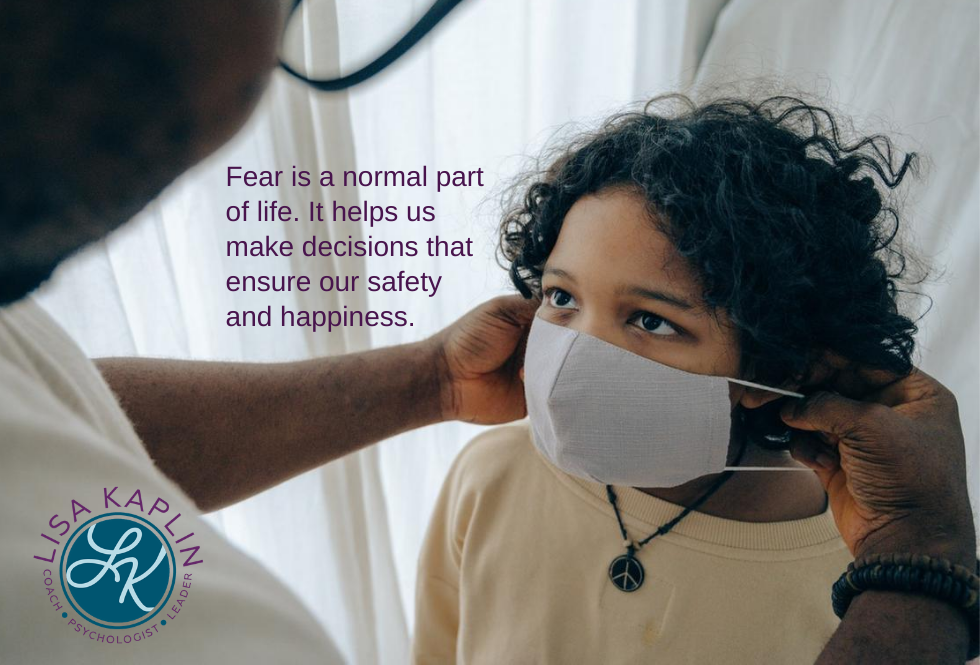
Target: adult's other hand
[(893, 465)]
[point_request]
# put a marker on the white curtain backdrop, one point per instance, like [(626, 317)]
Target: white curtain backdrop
[(492, 84)]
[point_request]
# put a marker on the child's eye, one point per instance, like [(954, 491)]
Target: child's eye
[(653, 324), (560, 299)]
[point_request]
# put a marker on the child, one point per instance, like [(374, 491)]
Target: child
[(672, 252)]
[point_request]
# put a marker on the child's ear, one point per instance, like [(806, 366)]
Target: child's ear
[(753, 398)]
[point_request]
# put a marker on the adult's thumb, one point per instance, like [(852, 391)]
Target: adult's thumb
[(826, 412)]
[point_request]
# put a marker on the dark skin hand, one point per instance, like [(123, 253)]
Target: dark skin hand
[(225, 431), (894, 468)]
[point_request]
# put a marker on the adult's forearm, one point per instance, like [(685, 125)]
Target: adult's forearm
[(897, 628), (893, 628), (225, 431)]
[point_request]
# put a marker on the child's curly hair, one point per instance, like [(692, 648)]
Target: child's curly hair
[(784, 221)]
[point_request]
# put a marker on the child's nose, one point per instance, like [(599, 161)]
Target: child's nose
[(601, 327)]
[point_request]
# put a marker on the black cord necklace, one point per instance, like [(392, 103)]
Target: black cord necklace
[(626, 572)]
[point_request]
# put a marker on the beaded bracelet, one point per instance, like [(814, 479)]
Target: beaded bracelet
[(914, 573)]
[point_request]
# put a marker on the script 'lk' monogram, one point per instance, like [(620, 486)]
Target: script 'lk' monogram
[(113, 565)]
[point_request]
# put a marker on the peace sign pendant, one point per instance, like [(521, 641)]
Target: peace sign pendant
[(626, 573)]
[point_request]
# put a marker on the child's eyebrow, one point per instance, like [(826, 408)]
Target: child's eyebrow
[(650, 294), (558, 272)]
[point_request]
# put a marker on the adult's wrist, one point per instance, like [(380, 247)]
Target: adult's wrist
[(436, 378), (954, 540)]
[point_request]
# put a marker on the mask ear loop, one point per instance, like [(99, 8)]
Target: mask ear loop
[(778, 391), (437, 12)]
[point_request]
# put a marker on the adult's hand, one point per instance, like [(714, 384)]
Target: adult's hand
[(481, 355), (893, 465)]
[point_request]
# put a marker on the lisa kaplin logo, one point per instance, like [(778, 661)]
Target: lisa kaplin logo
[(117, 576)]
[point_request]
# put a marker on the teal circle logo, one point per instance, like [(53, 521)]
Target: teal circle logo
[(117, 570)]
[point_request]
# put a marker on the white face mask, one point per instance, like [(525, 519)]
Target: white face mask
[(604, 414)]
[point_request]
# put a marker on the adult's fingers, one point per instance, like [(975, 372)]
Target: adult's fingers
[(514, 309), (518, 312), (818, 456), (915, 387), (832, 414), (849, 378)]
